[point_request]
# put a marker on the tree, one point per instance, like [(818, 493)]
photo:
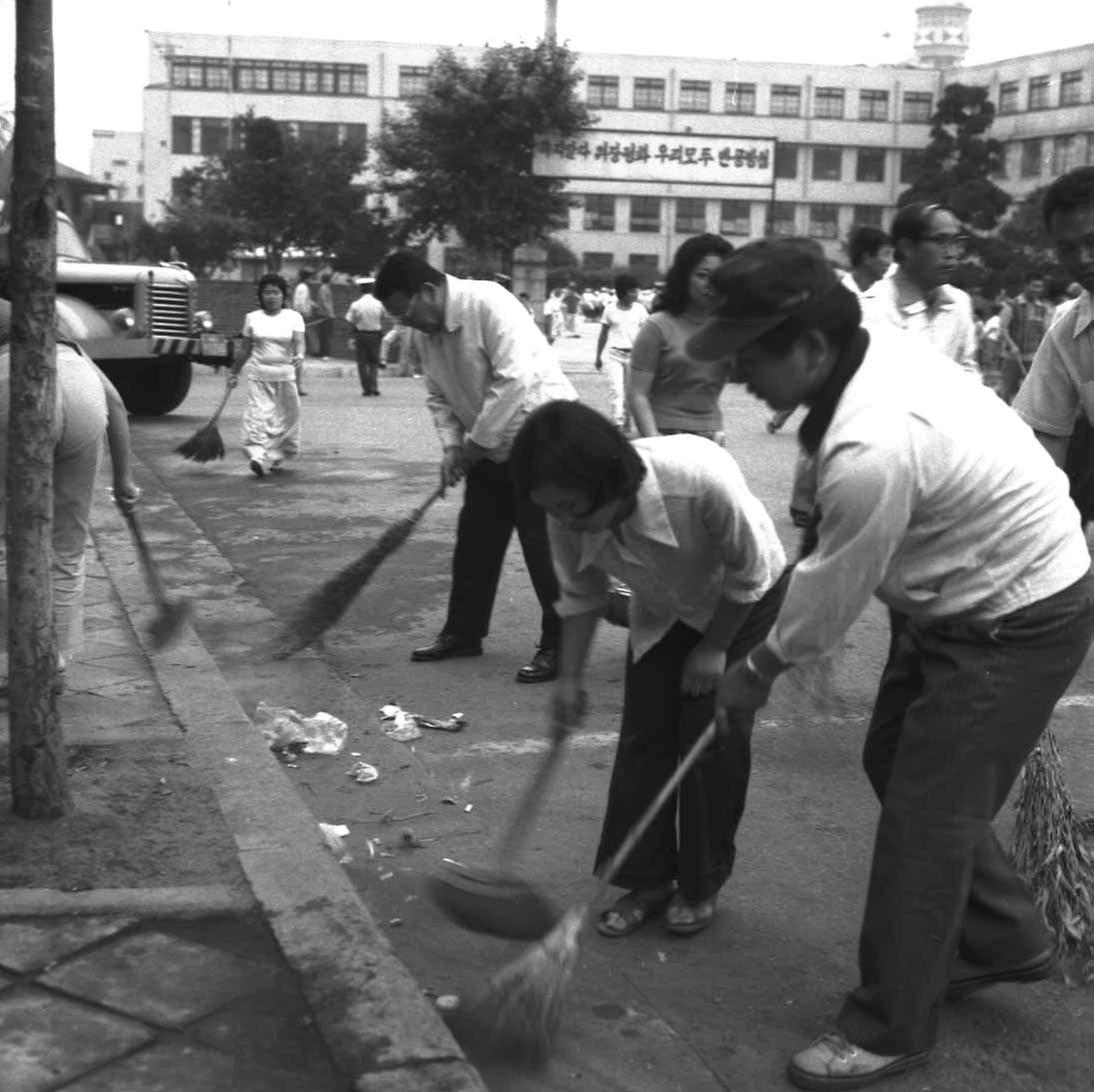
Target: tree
[(203, 235), (461, 160), (960, 160), (274, 192)]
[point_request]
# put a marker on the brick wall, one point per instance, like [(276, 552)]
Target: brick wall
[(229, 301)]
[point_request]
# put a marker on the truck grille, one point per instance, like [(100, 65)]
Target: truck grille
[(170, 310)]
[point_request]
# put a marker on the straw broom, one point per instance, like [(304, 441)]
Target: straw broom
[(1050, 854), (206, 444), (516, 1015), (327, 604)]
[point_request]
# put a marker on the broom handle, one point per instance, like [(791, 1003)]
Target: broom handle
[(220, 408), (528, 806), (607, 873), (151, 573)]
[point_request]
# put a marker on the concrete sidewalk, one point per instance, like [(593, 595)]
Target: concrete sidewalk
[(264, 972)]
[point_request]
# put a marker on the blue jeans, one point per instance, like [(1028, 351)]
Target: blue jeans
[(960, 706)]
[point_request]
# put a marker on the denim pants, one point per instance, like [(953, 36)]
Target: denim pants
[(491, 510), (960, 706), (693, 838)]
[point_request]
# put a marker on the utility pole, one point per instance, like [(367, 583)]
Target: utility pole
[(551, 30), (38, 775)]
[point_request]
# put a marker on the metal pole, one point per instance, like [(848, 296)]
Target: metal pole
[(550, 32)]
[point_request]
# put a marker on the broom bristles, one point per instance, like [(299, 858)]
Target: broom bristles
[(516, 1017), (205, 445), (1051, 855), (328, 603)]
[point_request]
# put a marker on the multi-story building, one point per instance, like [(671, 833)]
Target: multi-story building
[(803, 149), (118, 158)]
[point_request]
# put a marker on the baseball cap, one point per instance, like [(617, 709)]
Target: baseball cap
[(758, 288)]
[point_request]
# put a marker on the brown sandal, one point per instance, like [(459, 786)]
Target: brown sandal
[(630, 911)]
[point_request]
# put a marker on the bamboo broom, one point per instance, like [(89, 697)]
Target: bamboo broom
[(206, 444), (326, 605), (1051, 855), (516, 1015)]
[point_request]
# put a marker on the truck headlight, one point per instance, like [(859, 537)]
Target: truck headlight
[(203, 322), (123, 319)]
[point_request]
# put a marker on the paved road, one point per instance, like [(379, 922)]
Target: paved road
[(652, 1013)]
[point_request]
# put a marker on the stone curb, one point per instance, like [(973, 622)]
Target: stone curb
[(380, 1029)]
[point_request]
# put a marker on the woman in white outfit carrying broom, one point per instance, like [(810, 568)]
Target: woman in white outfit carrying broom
[(273, 345)]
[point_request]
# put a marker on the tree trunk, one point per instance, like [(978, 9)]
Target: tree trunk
[(38, 775)]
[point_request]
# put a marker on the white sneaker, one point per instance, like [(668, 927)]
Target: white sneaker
[(832, 1062)]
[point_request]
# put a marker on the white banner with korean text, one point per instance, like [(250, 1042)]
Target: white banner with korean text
[(600, 154)]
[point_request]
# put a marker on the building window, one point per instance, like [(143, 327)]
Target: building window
[(740, 98), (182, 136), (140, 193), (1065, 154), (786, 161), (911, 163), (603, 91), (119, 163), (597, 261), (786, 100), (318, 79), (646, 214), (691, 215), (214, 136), (252, 76), (870, 165), (351, 79), (1031, 158), (108, 176), (413, 81), (695, 96), (827, 163), (917, 105), (824, 221), (286, 77), (599, 212), (649, 94), (316, 134), (873, 105), (783, 218), (353, 132), (1071, 88), (644, 266), (1038, 93), (1008, 98), (200, 73), (867, 216), (828, 102), (736, 218)]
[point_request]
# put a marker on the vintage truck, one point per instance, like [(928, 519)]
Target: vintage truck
[(137, 322)]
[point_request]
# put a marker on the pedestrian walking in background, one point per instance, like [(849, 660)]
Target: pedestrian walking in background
[(87, 407), (303, 303), (670, 392), (571, 304), (1023, 322), (486, 365), (273, 345), (673, 518), (552, 316), (939, 500), (870, 252), (324, 316), (366, 319), (619, 325)]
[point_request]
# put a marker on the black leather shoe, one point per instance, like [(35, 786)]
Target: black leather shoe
[(1036, 969), (543, 667), (446, 647)]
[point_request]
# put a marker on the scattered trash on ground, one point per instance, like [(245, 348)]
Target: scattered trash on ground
[(363, 773), (333, 834), (289, 733), (397, 723)]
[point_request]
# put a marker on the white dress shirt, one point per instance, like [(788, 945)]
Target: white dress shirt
[(934, 495), (487, 368), (697, 535)]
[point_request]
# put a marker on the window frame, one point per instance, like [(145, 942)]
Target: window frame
[(733, 225), (1009, 93), (692, 95), (826, 151), (607, 87), (874, 153), (834, 100), (1071, 80), (602, 219), (919, 99), (744, 98), (644, 84), (1039, 87), (695, 221), (830, 223), (868, 100), (783, 151), (413, 80), (782, 96), (634, 221)]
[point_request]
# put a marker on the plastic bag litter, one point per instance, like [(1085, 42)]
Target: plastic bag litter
[(286, 730), (398, 724), (363, 773), (333, 835)]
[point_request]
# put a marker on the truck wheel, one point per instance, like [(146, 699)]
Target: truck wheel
[(150, 389)]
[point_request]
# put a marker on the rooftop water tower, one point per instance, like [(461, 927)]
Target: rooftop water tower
[(941, 35)]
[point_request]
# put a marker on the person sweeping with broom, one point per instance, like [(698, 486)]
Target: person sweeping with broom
[(273, 345), (673, 518), (937, 498)]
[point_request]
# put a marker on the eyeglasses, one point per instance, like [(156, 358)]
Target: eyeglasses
[(947, 242)]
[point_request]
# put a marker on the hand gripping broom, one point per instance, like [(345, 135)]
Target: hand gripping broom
[(327, 604), (206, 444), (516, 1015)]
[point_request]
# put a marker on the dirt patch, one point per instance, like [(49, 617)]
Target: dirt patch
[(141, 817)]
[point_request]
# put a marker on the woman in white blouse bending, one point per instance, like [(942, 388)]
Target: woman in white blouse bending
[(273, 345)]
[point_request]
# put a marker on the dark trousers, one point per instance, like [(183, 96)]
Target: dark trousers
[(324, 330), (366, 346), (960, 706), (693, 839), (491, 510)]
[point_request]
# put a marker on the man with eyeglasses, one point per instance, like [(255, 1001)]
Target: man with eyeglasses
[(486, 366), (915, 296)]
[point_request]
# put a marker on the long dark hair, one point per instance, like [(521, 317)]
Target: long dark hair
[(674, 296)]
